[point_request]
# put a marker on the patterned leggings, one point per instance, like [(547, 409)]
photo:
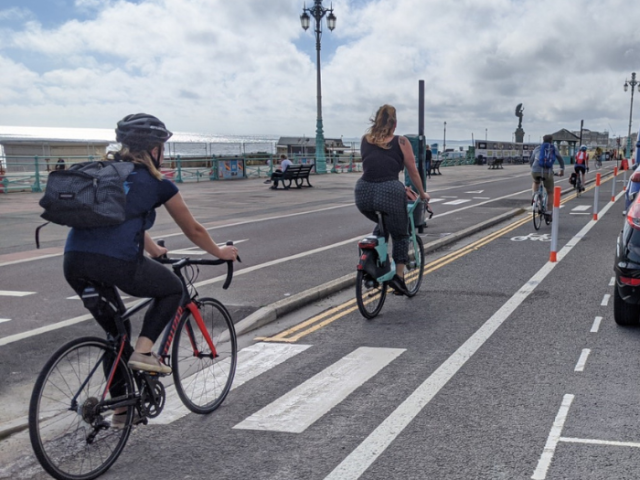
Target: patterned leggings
[(389, 198)]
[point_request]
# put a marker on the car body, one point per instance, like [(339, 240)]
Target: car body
[(633, 187), (626, 295)]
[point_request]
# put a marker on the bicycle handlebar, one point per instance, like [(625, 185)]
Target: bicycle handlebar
[(179, 263)]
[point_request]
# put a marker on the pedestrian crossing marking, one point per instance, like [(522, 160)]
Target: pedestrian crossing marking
[(581, 208), (9, 293), (475, 191), (457, 202), (436, 200), (252, 362), (302, 406)]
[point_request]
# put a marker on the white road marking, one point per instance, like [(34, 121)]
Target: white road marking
[(581, 208), (4, 320), (358, 461), (436, 200), (475, 191), (302, 406), (582, 360), (198, 251), (605, 300), (481, 198), (457, 202), (612, 282), (252, 361), (596, 325), (553, 439), (9, 293), (590, 441)]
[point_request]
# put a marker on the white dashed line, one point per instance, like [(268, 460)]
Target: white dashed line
[(9, 293), (605, 300), (3, 320), (596, 325), (582, 360), (612, 282)]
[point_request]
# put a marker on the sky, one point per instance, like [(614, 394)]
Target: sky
[(246, 67)]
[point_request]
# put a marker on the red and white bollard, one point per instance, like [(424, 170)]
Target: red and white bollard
[(595, 197), (613, 184), (557, 191)]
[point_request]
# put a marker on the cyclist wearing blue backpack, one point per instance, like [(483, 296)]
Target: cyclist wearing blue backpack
[(541, 162)]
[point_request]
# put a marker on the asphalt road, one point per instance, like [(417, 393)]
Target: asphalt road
[(463, 381)]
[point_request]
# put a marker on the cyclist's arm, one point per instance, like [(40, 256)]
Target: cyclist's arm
[(410, 165), (194, 231), (561, 162)]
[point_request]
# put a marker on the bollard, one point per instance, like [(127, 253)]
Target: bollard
[(613, 184), (179, 164), (595, 197), (557, 191)]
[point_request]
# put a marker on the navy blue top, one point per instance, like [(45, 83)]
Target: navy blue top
[(381, 164), (145, 193)]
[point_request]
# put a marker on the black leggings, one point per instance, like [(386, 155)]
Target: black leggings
[(390, 198), (143, 278)]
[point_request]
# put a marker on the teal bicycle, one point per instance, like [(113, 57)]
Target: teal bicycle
[(376, 268)]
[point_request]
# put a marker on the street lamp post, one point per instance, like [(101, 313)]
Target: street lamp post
[(444, 140), (633, 82), (318, 12)]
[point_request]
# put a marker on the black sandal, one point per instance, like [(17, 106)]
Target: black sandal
[(398, 285)]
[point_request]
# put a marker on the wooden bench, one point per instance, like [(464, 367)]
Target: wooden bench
[(435, 167), (295, 174), (495, 163)]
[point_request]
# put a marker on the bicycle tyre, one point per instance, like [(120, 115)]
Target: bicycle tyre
[(370, 299), (415, 268), (537, 212), (58, 426), (203, 382)]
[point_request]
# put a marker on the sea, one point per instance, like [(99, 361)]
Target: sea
[(182, 143)]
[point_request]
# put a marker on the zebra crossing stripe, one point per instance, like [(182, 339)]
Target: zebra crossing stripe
[(252, 361), (302, 406), (9, 293), (457, 202)]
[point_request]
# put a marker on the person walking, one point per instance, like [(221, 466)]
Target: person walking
[(427, 160), (384, 156)]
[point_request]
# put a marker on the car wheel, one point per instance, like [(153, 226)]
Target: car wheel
[(625, 314)]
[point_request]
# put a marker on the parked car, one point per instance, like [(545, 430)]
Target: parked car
[(626, 293)]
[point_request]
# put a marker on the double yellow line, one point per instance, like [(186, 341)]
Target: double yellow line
[(315, 323)]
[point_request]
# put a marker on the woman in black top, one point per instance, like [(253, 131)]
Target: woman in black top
[(384, 156)]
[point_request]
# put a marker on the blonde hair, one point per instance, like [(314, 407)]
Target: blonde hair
[(383, 125), (141, 157)]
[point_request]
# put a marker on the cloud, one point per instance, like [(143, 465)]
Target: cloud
[(247, 67)]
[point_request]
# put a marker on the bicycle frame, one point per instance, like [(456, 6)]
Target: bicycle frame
[(385, 266)]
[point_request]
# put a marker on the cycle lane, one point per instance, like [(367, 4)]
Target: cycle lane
[(385, 308), (455, 421)]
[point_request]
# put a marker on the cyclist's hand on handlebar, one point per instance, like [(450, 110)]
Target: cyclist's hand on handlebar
[(426, 197), (228, 252)]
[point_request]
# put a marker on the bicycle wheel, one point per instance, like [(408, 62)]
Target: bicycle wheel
[(415, 267), (537, 212), (67, 427), (202, 380), (370, 295)]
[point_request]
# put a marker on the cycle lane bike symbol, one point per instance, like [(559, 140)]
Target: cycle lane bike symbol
[(542, 237)]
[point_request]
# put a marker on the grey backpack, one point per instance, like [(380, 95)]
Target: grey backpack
[(87, 195)]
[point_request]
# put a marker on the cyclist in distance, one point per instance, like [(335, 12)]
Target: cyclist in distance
[(541, 163), (114, 255), (384, 156), (582, 163)]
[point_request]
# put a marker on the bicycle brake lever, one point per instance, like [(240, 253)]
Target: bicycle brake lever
[(237, 256)]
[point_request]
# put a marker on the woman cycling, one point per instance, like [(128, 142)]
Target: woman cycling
[(114, 255), (384, 156)]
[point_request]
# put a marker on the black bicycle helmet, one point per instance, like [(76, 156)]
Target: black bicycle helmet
[(141, 131)]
